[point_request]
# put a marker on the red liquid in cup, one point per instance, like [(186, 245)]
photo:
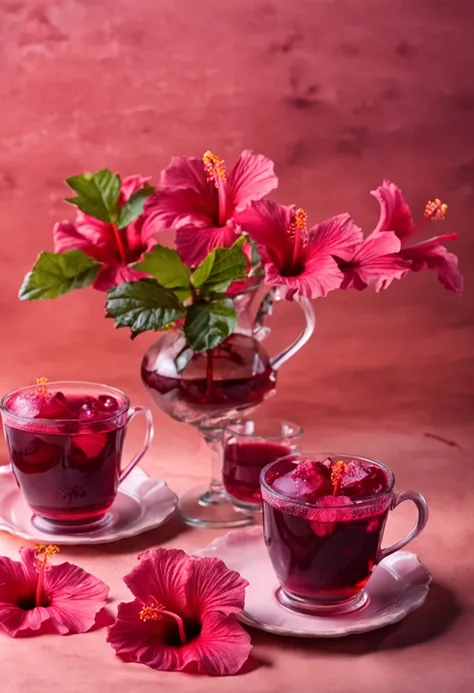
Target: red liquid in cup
[(243, 462), (324, 552), (68, 470)]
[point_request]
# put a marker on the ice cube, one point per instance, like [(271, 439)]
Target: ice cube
[(91, 444), (55, 406), (361, 480), (89, 409), (107, 403), (329, 511), (25, 404), (306, 482), (39, 405)]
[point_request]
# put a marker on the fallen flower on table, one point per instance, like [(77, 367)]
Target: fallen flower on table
[(184, 615), (33, 593)]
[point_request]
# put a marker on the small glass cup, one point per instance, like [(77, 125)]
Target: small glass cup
[(323, 555), (66, 453), (249, 445)]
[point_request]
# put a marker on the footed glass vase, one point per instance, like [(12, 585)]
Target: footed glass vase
[(215, 388)]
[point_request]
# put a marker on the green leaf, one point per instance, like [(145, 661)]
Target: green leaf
[(143, 306), (132, 209), (221, 267), (208, 324), (165, 265), (54, 274), (98, 194)]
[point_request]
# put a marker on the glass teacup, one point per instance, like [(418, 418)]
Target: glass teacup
[(249, 445), (65, 441), (324, 549)]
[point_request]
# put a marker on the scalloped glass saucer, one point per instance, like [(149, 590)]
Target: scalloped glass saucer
[(399, 585), (142, 503)]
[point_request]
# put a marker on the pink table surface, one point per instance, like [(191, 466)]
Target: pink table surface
[(340, 95)]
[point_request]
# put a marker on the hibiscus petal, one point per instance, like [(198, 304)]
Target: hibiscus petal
[(172, 209), (252, 178), (66, 236), (267, 223), (14, 619), (375, 263), (338, 236), (193, 244), (130, 185), (161, 574), (431, 255), (211, 586), (75, 597), (223, 646), (395, 214), (113, 275), (320, 276), (144, 642)]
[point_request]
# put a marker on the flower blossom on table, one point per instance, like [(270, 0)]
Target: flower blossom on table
[(200, 199), (34, 593), (116, 249), (184, 615)]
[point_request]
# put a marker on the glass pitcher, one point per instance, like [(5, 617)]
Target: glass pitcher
[(218, 386)]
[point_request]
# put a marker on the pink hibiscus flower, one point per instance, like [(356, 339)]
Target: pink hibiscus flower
[(115, 248), (298, 260), (183, 615), (375, 262), (200, 200), (33, 593), (395, 216)]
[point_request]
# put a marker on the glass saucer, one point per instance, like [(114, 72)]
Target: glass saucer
[(399, 584)]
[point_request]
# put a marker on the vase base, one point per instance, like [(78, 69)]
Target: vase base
[(200, 507)]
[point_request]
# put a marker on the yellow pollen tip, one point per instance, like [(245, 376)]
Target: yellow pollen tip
[(299, 222), (151, 612), (214, 166), (43, 553), (436, 210), (41, 385)]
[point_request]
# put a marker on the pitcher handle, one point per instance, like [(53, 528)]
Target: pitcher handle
[(260, 330)]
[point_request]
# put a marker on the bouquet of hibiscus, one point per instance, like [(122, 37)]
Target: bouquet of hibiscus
[(226, 233)]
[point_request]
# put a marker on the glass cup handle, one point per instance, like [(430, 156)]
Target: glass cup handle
[(148, 438), (261, 330), (422, 506)]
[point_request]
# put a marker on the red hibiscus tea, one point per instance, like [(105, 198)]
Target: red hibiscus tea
[(65, 442), (248, 447), (323, 525)]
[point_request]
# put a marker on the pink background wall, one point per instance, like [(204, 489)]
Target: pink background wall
[(340, 94)]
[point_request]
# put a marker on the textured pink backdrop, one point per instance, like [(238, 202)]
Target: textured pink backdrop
[(340, 94)]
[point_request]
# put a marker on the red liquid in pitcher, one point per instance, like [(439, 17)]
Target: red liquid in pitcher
[(324, 551), (243, 462), (241, 378), (68, 470)]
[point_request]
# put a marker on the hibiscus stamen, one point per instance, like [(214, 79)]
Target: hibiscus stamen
[(216, 173), (43, 553), (298, 231), (155, 612), (41, 385), (435, 210), (337, 474)]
